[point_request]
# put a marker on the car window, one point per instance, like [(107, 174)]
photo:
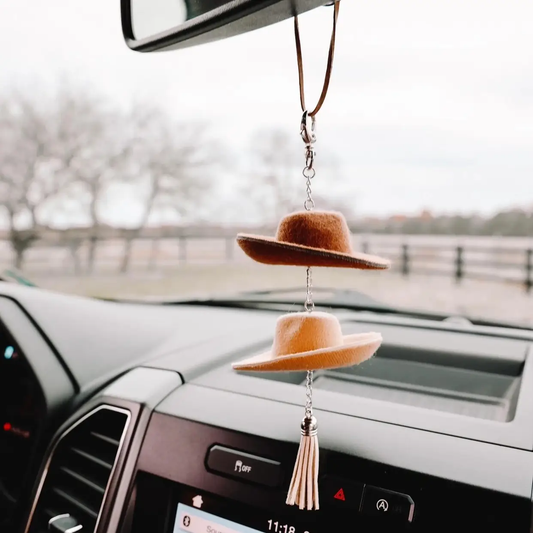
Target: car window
[(128, 175)]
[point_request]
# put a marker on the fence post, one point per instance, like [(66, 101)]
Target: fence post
[(182, 253), (529, 270), (229, 248), (405, 259), (154, 254), (459, 264)]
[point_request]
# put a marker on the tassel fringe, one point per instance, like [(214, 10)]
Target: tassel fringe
[(303, 490)]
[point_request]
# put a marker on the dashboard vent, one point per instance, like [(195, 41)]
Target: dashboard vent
[(80, 469)]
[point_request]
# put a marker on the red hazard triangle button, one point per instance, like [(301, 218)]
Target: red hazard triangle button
[(340, 495), (340, 492)]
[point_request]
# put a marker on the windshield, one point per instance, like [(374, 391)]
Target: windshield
[(126, 175)]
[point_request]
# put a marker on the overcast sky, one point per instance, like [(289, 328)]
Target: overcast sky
[(431, 102)]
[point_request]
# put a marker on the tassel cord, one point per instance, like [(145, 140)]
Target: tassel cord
[(303, 490)]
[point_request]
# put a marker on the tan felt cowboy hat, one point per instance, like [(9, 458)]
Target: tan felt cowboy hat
[(310, 238), (312, 341)]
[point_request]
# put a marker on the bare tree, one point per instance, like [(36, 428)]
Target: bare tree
[(73, 148), (170, 165), (33, 163), (103, 140)]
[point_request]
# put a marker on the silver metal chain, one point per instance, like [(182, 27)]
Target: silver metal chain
[(307, 131), (309, 303), (309, 394)]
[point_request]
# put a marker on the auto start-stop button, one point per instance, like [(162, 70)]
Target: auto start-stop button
[(387, 504), (244, 466)]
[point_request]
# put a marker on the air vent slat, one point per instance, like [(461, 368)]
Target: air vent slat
[(82, 479), (80, 470), (92, 458), (105, 438), (50, 513), (79, 505)]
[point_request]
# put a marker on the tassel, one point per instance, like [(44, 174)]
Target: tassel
[(303, 490)]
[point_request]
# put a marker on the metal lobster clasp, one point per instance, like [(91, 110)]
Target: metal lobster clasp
[(307, 129)]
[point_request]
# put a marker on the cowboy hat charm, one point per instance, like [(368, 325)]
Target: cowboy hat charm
[(312, 341), (310, 238)]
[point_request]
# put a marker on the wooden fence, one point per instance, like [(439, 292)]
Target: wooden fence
[(505, 264), (504, 259)]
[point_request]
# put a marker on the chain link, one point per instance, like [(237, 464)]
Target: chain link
[(309, 394)]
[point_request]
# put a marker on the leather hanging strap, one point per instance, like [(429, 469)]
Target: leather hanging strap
[(329, 66)]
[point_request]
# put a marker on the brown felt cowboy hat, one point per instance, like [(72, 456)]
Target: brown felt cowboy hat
[(310, 238), (312, 341)]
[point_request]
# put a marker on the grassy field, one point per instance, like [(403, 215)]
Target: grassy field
[(491, 300)]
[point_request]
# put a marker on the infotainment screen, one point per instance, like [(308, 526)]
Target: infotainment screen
[(201, 512)]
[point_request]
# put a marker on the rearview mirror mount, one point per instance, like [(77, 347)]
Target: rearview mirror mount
[(157, 25)]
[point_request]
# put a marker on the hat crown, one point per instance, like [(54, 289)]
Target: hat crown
[(305, 332), (326, 230)]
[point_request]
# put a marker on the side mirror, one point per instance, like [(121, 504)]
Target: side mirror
[(153, 25)]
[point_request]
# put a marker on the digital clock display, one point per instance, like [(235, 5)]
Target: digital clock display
[(278, 527)]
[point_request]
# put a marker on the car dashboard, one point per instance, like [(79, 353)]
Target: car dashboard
[(127, 418)]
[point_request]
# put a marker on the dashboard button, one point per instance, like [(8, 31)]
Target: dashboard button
[(341, 493), (387, 504), (244, 466)]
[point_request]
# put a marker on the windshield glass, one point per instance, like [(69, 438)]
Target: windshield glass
[(126, 175)]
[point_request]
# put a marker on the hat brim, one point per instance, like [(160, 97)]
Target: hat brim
[(354, 350), (270, 251)]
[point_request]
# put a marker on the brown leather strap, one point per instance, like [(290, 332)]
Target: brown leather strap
[(329, 66)]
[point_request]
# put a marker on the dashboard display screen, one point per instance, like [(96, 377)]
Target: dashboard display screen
[(200, 512)]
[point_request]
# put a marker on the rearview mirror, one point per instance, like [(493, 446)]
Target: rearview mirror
[(152, 25)]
